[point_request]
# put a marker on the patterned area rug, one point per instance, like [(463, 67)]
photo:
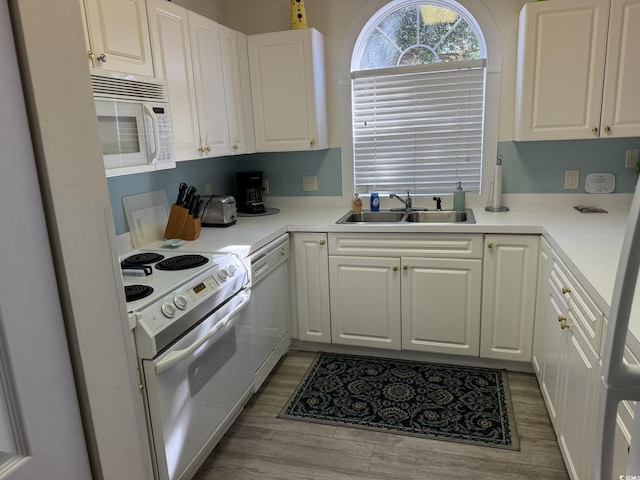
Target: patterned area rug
[(443, 402)]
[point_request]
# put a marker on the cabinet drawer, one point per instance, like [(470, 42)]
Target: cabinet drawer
[(583, 309), (412, 244)]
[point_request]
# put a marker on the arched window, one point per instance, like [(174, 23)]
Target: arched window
[(418, 86)]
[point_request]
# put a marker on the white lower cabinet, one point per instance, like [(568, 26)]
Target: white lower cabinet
[(365, 301), (424, 302), (509, 296), (579, 402), (441, 305), (567, 367), (311, 260)]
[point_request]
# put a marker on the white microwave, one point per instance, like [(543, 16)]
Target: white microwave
[(134, 123)]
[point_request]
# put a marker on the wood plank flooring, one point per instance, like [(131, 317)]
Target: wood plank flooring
[(261, 446)]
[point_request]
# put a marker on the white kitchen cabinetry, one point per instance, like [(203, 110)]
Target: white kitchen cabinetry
[(441, 305), (118, 36), (578, 63), (187, 54), (508, 296), (208, 79), (237, 87), (311, 260), (411, 292), (365, 301), (567, 367), (288, 89)]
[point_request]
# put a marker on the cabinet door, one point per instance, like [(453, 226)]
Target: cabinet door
[(209, 85), (365, 301), (620, 99), (172, 56), (544, 268), (287, 89), (509, 296), (311, 259), (235, 67), (441, 305), (561, 56), (550, 343), (580, 378), (118, 30)]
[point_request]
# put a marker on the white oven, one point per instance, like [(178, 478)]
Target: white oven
[(194, 347), (197, 387)]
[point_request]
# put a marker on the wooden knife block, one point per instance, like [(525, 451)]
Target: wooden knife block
[(182, 225)]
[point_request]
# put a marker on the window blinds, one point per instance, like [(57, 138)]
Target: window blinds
[(418, 128)]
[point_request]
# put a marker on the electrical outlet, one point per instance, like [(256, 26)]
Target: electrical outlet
[(310, 184), (571, 179), (207, 189), (265, 186), (631, 160)]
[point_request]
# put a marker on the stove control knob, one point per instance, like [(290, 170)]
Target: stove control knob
[(232, 270), (180, 301), (168, 309), (223, 274)]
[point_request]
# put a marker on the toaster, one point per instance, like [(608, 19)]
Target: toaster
[(219, 211)]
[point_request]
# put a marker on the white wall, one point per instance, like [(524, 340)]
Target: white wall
[(55, 75), (338, 19)]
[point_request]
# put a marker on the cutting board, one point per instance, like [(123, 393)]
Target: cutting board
[(147, 215)]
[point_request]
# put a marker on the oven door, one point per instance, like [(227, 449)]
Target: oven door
[(197, 388)]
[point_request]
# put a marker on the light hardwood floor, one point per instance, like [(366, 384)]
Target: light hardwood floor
[(261, 446)]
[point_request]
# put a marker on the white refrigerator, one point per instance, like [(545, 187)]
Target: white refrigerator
[(620, 380)]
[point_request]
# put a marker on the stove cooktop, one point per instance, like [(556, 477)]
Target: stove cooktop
[(149, 275)]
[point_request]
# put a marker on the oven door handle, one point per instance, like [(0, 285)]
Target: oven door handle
[(176, 357)]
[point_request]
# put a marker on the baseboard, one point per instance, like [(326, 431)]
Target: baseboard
[(408, 355)]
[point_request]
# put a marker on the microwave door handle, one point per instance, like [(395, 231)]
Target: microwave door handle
[(176, 357), (156, 134)]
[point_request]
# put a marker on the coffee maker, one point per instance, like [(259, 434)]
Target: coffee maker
[(250, 192)]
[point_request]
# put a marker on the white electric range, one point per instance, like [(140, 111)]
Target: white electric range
[(194, 349)]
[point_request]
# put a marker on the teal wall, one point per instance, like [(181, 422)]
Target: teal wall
[(283, 170), (528, 167), (538, 167)]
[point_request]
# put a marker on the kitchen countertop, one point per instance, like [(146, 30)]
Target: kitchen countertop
[(589, 244)]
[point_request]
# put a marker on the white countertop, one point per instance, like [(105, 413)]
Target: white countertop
[(589, 244)]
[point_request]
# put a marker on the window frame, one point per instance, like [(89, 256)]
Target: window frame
[(490, 45)]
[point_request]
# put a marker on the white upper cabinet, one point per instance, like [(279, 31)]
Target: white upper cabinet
[(620, 100), (172, 56), (188, 55), (209, 85), (118, 36), (237, 88), (288, 90), (577, 60)]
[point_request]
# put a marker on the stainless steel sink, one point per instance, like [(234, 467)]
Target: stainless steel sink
[(439, 216), (411, 216), (384, 216)]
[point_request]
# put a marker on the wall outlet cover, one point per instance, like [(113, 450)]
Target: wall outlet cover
[(310, 184), (571, 179)]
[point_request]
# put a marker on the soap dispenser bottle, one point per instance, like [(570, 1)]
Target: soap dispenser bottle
[(458, 198), (356, 203), (374, 202)]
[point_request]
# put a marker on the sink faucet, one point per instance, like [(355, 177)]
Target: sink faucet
[(406, 202), (438, 201)]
